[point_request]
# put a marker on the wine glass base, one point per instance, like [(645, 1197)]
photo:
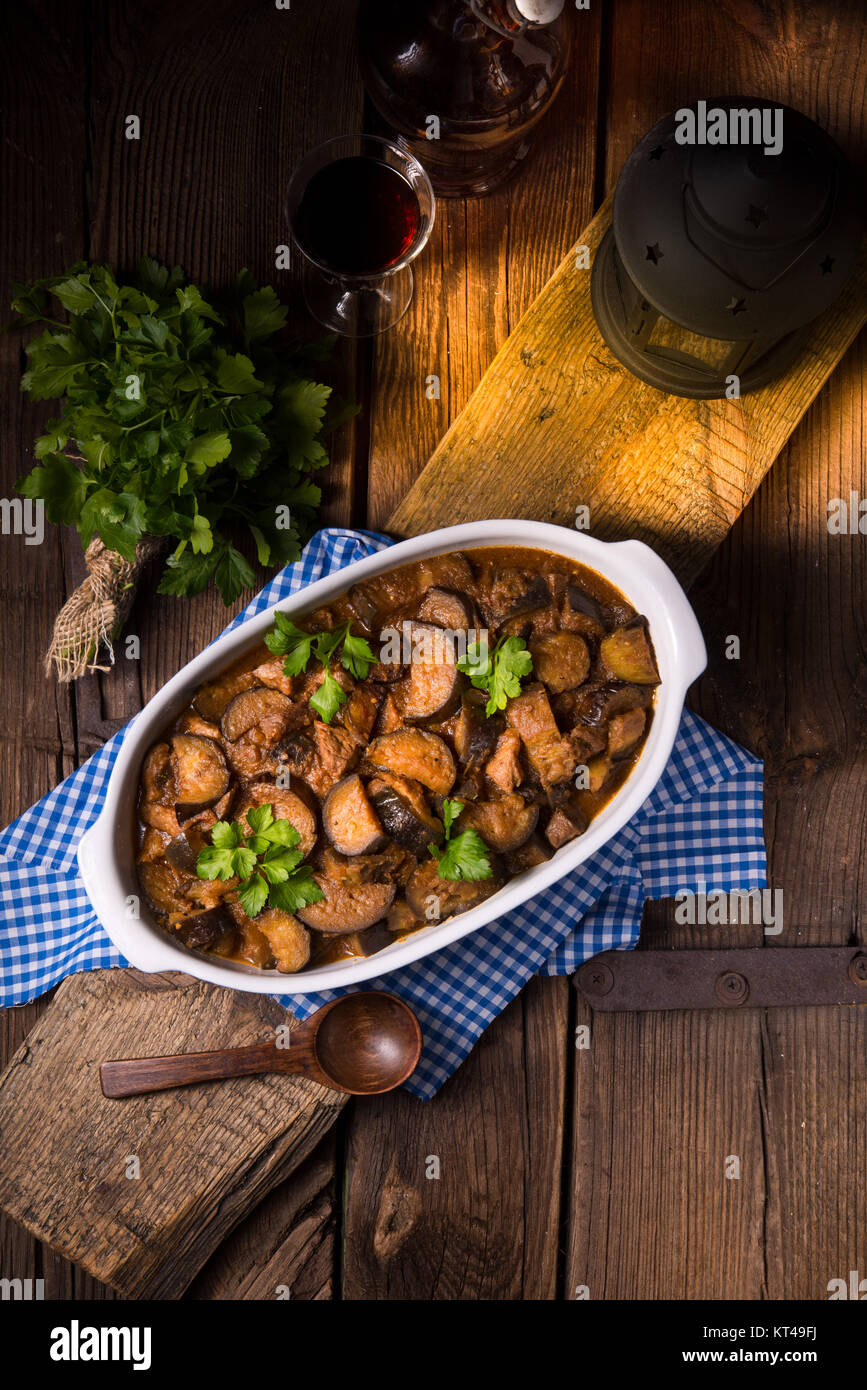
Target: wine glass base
[(357, 311)]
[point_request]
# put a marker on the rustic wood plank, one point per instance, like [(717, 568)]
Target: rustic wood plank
[(580, 430), (661, 1100), (206, 1154), (488, 1227), (228, 103), (285, 1248), (229, 100), (41, 163)]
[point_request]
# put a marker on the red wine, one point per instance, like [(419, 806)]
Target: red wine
[(358, 216)]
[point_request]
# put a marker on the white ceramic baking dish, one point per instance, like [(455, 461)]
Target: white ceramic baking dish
[(106, 852)]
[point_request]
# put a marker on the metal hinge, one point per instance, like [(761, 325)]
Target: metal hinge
[(773, 977)]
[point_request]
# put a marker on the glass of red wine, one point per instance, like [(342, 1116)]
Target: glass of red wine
[(360, 210)]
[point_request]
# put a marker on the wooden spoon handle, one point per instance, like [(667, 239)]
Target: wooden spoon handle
[(137, 1075)]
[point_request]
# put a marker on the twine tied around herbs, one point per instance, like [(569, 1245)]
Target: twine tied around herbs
[(95, 613)]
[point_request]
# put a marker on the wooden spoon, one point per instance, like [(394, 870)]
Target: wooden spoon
[(362, 1045)]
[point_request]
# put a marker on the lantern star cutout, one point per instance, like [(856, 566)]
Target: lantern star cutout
[(756, 215), (654, 254)]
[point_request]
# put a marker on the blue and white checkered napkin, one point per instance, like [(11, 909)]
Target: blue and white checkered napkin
[(699, 830)]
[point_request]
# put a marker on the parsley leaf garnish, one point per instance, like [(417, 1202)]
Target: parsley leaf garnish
[(173, 430), (464, 855), (356, 657), (501, 674), (266, 859)]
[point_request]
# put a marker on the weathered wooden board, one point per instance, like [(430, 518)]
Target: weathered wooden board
[(206, 1154), (557, 422)]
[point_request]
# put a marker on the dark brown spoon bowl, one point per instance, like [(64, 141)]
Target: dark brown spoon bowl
[(368, 1043), (363, 1044)]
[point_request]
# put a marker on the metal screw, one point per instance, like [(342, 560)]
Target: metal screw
[(858, 969), (596, 978), (731, 988)]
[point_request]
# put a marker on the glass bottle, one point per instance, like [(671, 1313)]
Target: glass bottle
[(463, 83)]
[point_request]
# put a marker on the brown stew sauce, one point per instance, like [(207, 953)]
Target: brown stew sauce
[(365, 792)]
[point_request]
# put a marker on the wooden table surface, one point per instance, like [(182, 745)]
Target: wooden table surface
[(602, 1169)]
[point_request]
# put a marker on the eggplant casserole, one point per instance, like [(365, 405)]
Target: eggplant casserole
[(394, 758)]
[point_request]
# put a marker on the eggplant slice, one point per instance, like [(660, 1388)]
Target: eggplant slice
[(201, 774), (403, 813), (286, 804), (349, 820), (433, 899), (347, 907), (432, 689), (417, 754), (270, 710), (627, 654)]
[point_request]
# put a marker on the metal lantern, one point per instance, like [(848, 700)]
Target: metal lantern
[(721, 254)]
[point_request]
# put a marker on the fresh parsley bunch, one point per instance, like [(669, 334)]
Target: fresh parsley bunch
[(265, 859), (499, 674), (464, 855), (188, 416), (289, 641)]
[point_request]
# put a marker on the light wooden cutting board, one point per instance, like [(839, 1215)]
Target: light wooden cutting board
[(557, 423)]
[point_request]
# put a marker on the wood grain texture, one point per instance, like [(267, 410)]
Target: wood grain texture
[(229, 98), (487, 1229), (652, 1213), (206, 1154), (559, 423), (44, 232)]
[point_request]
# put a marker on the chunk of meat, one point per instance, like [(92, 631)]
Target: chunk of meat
[(253, 946), (566, 824), (504, 824), (504, 768), (627, 654), (212, 698), (586, 742), (561, 660), (624, 731), (320, 754), (360, 711), (549, 753), (401, 918), (450, 571), (271, 675), (433, 899), (349, 820), (417, 754)]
